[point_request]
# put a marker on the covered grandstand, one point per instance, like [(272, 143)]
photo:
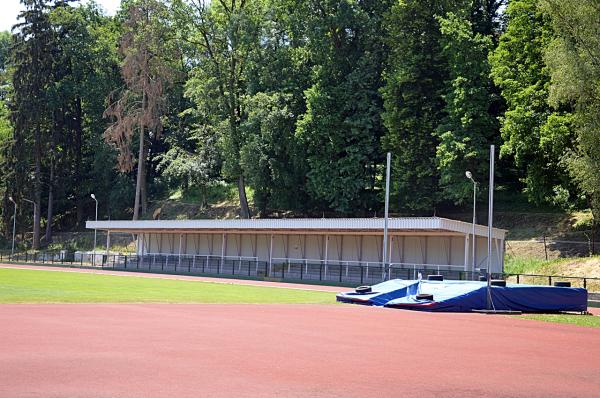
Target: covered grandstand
[(344, 249)]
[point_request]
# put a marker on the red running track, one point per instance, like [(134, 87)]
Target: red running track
[(140, 350)]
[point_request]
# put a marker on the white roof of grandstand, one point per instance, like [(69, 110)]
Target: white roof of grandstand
[(372, 226)]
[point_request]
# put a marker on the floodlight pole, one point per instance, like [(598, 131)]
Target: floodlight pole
[(490, 222), (385, 219), (12, 251), (95, 230)]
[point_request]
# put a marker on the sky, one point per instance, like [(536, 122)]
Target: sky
[(9, 9)]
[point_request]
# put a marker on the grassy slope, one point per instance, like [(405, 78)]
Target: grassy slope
[(217, 200), (32, 286), (585, 266), (588, 267)]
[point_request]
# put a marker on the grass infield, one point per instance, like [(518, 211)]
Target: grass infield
[(34, 286), (580, 320)]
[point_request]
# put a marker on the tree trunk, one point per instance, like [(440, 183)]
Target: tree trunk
[(78, 144), (140, 171), (48, 236), (144, 185), (233, 125), (37, 187), (245, 210)]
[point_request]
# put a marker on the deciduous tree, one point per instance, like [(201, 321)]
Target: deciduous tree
[(140, 104), (534, 134), (573, 58)]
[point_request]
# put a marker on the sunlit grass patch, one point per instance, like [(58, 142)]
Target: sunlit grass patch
[(34, 286), (573, 319)]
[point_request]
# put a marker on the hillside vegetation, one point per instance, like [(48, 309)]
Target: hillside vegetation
[(286, 108), (588, 267)]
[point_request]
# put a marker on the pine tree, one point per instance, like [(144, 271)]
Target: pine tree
[(33, 57)]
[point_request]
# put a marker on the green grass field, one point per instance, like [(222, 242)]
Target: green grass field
[(33, 286), (580, 320)]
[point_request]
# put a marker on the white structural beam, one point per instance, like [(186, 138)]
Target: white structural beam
[(466, 262), (365, 226), (223, 250), (141, 261), (271, 256), (179, 254), (326, 254)]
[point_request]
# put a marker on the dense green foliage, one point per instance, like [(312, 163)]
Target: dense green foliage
[(534, 134), (295, 103), (468, 126), (573, 59), (414, 76), (341, 127)]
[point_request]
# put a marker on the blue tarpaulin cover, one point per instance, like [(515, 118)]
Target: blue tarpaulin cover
[(464, 296), (381, 293)]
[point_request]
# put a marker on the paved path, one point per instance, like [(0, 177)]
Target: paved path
[(143, 350), (229, 281)]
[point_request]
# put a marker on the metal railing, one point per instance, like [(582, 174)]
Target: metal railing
[(334, 272), (372, 270)]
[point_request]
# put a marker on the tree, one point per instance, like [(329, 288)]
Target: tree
[(5, 124), (146, 72), (573, 59), (33, 57), (342, 127), (535, 135), (415, 77), (223, 35), (5, 88), (271, 154), (467, 128), (273, 157), (83, 74)]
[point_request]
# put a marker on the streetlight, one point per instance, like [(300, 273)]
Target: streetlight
[(470, 177), (34, 212), (12, 251), (94, 250)]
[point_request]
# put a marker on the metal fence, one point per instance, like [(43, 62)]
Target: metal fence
[(349, 274), (344, 273)]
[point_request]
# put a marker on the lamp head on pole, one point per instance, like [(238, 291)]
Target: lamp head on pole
[(93, 196), (12, 200), (470, 176)]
